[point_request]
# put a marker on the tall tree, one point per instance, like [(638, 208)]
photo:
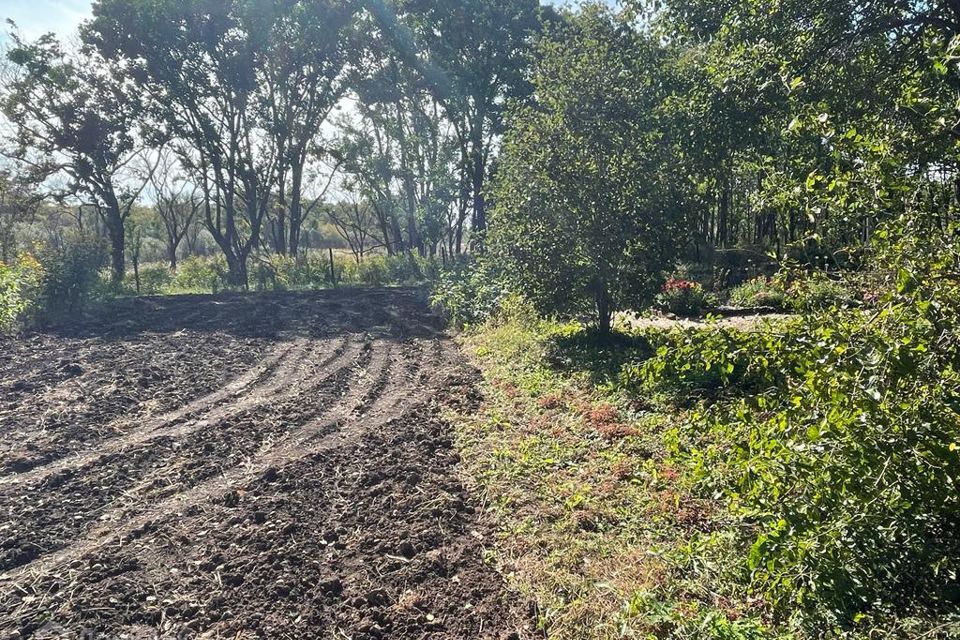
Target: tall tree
[(474, 57), (74, 114), (226, 78)]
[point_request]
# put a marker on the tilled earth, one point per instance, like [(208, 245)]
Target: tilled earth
[(269, 466)]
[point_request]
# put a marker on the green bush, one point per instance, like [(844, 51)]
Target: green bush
[(71, 278), (841, 452), (154, 280), (818, 292), (715, 359), (19, 282), (760, 292), (471, 290), (199, 274), (684, 298), (398, 269)]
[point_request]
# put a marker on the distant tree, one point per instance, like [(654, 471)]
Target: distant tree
[(587, 212), (75, 114), (355, 222), (177, 202)]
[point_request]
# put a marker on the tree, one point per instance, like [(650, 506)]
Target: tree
[(176, 200), (227, 79), (74, 114), (587, 212), (307, 71), (354, 221), (473, 55), (814, 115)]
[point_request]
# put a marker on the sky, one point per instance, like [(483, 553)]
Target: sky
[(36, 17)]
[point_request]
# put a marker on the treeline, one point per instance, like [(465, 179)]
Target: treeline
[(241, 116), (589, 149), (668, 131)]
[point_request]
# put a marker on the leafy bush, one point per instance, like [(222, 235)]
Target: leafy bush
[(198, 274), (18, 290), (840, 454), (154, 280), (760, 292), (71, 278), (817, 292), (471, 291), (398, 269), (684, 298)]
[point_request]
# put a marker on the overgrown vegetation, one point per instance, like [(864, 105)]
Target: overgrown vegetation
[(545, 170), (811, 466)]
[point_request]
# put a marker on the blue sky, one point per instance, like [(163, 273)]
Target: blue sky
[(35, 17)]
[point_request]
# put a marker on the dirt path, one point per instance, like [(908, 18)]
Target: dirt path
[(242, 467)]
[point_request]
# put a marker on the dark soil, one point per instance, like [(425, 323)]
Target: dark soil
[(270, 466)]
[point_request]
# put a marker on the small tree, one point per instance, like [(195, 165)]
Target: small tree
[(586, 212)]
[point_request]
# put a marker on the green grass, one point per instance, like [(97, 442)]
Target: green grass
[(598, 525), (583, 456)]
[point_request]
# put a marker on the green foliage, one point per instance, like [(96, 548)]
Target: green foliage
[(839, 449), (199, 274), (760, 292), (398, 269), (818, 292), (572, 219), (154, 280), (18, 290), (71, 279), (713, 360), (471, 291), (684, 298)]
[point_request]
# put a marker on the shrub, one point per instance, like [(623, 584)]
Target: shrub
[(817, 292), (71, 278), (19, 282), (198, 274), (683, 298), (154, 280), (760, 292), (398, 269), (471, 290), (712, 359), (840, 454)]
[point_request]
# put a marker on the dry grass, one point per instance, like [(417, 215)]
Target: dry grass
[(594, 522)]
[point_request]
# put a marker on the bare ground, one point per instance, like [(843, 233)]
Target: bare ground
[(272, 466)]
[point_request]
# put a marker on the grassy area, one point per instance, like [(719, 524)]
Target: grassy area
[(599, 526), (618, 498)]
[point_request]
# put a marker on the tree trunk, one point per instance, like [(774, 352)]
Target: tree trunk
[(172, 253), (113, 220), (296, 210), (604, 310), (236, 271)]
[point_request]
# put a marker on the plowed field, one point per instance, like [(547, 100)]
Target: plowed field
[(244, 466)]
